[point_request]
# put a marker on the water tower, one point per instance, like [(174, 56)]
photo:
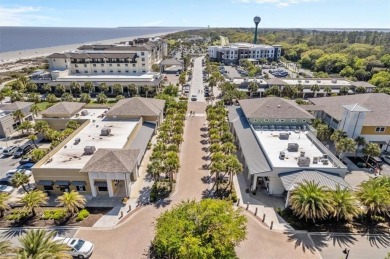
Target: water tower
[(256, 20)]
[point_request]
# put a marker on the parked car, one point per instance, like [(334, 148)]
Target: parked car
[(78, 248), (386, 159), (12, 172), (5, 181), (25, 160), (9, 150), (6, 189), (26, 166), (177, 73), (20, 151), (194, 97)]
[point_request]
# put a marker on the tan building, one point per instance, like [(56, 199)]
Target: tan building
[(7, 123), (101, 157), (59, 114)]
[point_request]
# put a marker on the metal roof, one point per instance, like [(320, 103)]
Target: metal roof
[(355, 108), (143, 137), (254, 156), (291, 180)]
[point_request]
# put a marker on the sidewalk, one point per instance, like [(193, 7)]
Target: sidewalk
[(140, 191)]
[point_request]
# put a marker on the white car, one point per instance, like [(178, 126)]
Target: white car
[(78, 248), (12, 172), (6, 189), (386, 159)]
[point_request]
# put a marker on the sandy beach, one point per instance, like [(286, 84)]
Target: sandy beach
[(13, 56)]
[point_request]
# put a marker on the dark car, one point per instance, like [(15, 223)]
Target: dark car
[(5, 181), (22, 150), (26, 166)]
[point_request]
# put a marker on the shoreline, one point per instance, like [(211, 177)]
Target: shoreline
[(14, 56)]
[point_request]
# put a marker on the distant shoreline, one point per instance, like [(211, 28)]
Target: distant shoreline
[(13, 56)]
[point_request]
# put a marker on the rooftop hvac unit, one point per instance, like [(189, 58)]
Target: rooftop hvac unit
[(325, 161), (315, 160), (304, 161), (307, 81), (89, 150), (292, 147), (282, 155), (84, 112), (105, 132), (284, 136), (318, 81), (302, 153), (334, 81)]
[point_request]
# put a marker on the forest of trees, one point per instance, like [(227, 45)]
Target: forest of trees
[(356, 55)]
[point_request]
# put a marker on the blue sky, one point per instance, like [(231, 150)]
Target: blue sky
[(199, 13)]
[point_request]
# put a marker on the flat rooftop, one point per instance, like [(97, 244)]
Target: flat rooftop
[(71, 156), (143, 77), (310, 82), (273, 145)]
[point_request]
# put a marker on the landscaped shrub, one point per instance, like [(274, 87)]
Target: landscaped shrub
[(55, 214), (159, 191), (84, 213), (17, 214)]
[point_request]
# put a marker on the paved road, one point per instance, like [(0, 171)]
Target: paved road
[(197, 81)]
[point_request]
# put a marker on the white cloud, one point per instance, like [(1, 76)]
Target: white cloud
[(21, 16), (155, 23), (278, 3)]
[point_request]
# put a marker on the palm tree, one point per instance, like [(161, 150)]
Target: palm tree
[(51, 98), (300, 89), (228, 148), (85, 98), (337, 135), (133, 90), (75, 88), (25, 125), (88, 86), (311, 201), (315, 88), (33, 200), (177, 139), (37, 244), (72, 124), (6, 249), (232, 167), (67, 97), (20, 179), (345, 145), (41, 127), (322, 131), (327, 90), (371, 149), (103, 87), (155, 168), (274, 90), (33, 138), (72, 201), (118, 89), (344, 90), (101, 98), (46, 88), (18, 115), (345, 205), (252, 88), (360, 142), (171, 164), (4, 203), (148, 89), (35, 109), (60, 88), (374, 195)]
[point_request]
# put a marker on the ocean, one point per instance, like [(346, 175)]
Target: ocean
[(22, 38)]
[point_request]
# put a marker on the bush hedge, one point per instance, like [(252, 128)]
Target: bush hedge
[(55, 214), (17, 214), (84, 213)]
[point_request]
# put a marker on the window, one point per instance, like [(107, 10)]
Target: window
[(94, 65), (142, 53), (119, 71), (48, 187), (64, 188), (102, 65), (102, 189), (281, 120), (103, 71), (85, 65), (86, 71), (77, 71), (379, 129), (143, 65), (134, 71), (110, 65), (303, 120), (254, 120), (293, 120), (133, 65), (143, 59), (127, 71), (80, 188), (126, 65), (266, 120), (95, 71), (118, 65), (75, 65), (111, 71), (143, 71)]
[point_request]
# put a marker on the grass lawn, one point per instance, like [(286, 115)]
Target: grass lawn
[(42, 105)]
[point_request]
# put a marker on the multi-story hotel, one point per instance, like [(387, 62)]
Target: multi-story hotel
[(125, 63), (234, 52)]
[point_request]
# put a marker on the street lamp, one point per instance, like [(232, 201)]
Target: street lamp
[(256, 20)]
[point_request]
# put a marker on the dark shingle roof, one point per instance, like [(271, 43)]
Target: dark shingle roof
[(137, 106), (112, 161), (378, 103), (273, 108)]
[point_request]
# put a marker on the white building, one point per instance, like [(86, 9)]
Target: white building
[(237, 51)]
